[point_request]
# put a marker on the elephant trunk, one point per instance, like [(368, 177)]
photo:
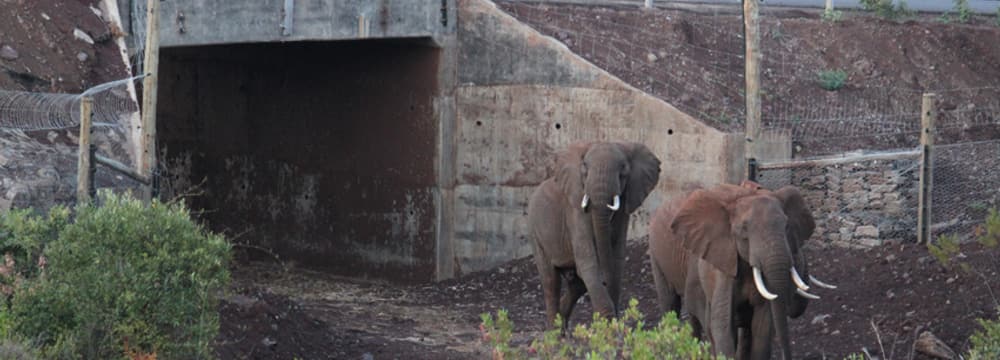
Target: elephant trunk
[(776, 274), (797, 305), (601, 216)]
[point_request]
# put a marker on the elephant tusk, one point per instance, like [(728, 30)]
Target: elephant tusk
[(798, 280), (758, 280), (806, 295), (820, 283), (617, 204), (583, 204)]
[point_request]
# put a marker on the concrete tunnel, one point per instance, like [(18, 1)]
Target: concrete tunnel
[(308, 148), (393, 140)]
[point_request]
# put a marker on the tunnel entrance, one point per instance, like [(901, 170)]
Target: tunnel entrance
[(320, 151)]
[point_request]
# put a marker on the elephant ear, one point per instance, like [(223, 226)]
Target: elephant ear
[(703, 223), (569, 171), (800, 220), (643, 174)]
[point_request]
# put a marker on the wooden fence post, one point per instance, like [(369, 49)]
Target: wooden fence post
[(83, 166), (649, 4), (751, 31), (928, 114), (149, 92), (829, 6)]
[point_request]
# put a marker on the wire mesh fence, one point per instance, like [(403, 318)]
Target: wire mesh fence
[(966, 185)]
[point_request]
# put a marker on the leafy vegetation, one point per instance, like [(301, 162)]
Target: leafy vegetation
[(625, 338), (886, 9), (119, 280), (963, 10), (986, 341), (832, 15), (832, 80)]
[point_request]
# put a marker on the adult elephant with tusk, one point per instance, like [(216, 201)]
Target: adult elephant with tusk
[(578, 222), (733, 253)]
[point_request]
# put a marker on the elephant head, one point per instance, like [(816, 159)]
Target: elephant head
[(729, 224), (605, 183)]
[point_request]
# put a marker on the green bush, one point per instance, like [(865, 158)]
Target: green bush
[(832, 15), (626, 338), (986, 341), (885, 9), (832, 80), (998, 17), (120, 279), (963, 10)]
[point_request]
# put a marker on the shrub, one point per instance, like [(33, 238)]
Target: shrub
[(885, 9), (832, 15), (986, 341), (120, 279), (998, 17), (963, 10), (625, 338), (832, 80)]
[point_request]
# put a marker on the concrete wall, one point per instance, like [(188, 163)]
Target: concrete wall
[(321, 152), (199, 22), (521, 97)]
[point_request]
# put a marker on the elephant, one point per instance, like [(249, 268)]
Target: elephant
[(724, 250), (578, 222)]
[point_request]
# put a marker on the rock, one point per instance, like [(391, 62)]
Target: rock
[(5, 205), (868, 242), (242, 301), (46, 17), (651, 57), (82, 56), (890, 258), (268, 342), (930, 345), (8, 53), (866, 231), (820, 319), (82, 36), (367, 356)]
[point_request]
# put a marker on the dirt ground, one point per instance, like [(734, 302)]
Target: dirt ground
[(890, 293)]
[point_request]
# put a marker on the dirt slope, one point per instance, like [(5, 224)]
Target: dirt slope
[(695, 62), (43, 55)]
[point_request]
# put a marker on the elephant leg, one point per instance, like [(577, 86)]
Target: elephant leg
[(720, 315), (575, 289), (550, 285), (667, 297), (743, 343), (696, 329), (761, 334)]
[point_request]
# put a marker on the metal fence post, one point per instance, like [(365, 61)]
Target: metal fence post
[(928, 114), (83, 173)]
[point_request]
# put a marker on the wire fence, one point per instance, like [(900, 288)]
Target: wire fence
[(56, 119)]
